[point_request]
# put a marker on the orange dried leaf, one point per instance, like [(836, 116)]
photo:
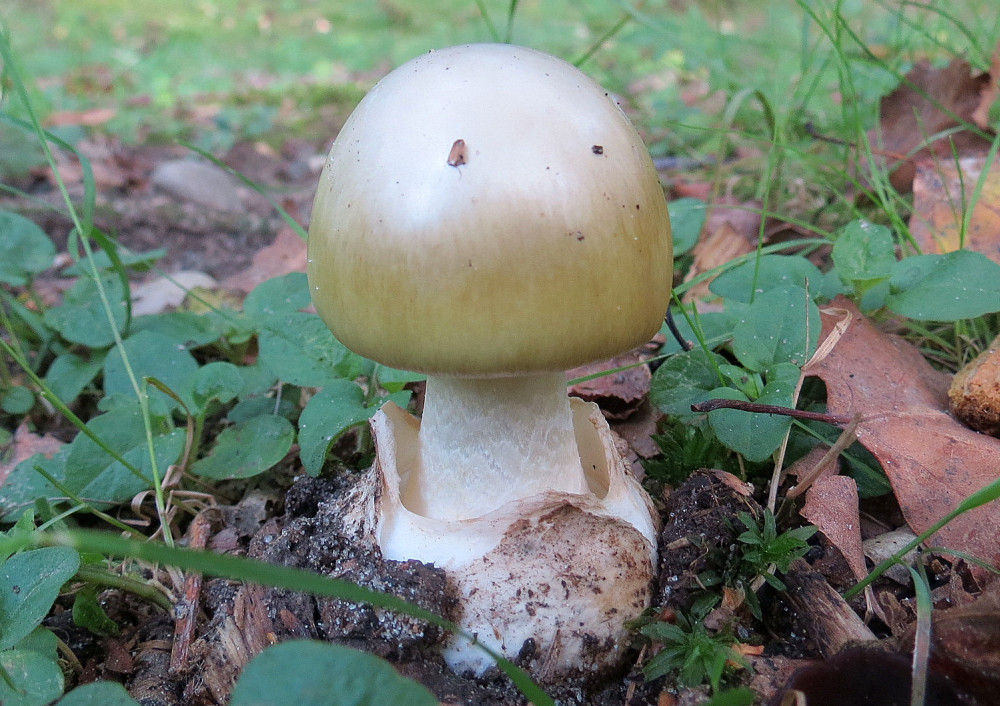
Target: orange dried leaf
[(932, 460), (941, 191)]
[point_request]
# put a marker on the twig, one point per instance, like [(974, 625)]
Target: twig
[(846, 438), (672, 326), (186, 611), (714, 404), (812, 132)]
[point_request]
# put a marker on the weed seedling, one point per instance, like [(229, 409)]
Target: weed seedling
[(692, 652)]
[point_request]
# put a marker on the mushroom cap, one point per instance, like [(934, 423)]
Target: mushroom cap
[(489, 210)]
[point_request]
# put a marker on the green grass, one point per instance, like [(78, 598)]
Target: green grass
[(688, 69)]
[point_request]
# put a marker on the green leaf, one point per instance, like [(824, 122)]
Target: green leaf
[(741, 696), (754, 436), (339, 406), (41, 640), (36, 680), (336, 408), (394, 380), (714, 327), (687, 217), (749, 383), (218, 381), (957, 285), (81, 317), (307, 673), (184, 328), (29, 584), (782, 325), (24, 485), (88, 613), (746, 281), (98, 693), (17, 400), (26, 249), (69, 374), (280, 295), (864, 254), (261, 407), (300, 349), (151, 355), (247, 449), (685, 379), (257, 380), (92, 473)]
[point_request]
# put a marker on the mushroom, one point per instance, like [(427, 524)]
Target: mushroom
[(489, 217)]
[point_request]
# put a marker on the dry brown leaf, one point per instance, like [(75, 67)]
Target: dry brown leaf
[(93, 117), (717, 247), (965, 646), (832, 505), (932, 460), (940, 190), (286, 254), (981, 115), (926, 103), (618, 394), (26, 445)]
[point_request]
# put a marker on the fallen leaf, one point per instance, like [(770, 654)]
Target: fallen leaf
[(940, 190), (720, 243), (965, 646), (286, 254), (981, 115), (932, 461), (832, 505), (928, 102), (620, 393), (885, 545), (93, 117), (26, 445)]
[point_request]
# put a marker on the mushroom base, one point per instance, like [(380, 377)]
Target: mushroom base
[(547, 580)]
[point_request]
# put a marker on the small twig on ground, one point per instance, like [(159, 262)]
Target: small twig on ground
[(186, 610), (685, 344), (711, 405)]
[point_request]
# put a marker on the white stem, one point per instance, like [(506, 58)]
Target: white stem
[(487, 441)]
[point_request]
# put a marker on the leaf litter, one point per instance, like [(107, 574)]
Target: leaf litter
[(932, 460)]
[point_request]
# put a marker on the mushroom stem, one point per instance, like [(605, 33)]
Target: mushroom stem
[(487, 441)]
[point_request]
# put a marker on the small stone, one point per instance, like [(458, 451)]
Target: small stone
[(198, 182)]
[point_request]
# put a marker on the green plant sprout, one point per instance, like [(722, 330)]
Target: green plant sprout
[(689, 650)]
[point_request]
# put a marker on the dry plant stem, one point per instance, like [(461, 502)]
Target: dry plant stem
[(812, 132), (711, 405), (487, 441), (676, 333), (832, 623), (846, 438), (187, 608)]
